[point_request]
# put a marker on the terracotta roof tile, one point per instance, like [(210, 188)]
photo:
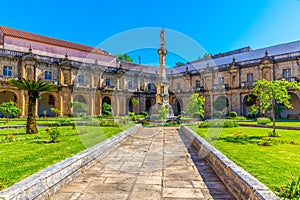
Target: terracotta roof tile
[(43, 39)]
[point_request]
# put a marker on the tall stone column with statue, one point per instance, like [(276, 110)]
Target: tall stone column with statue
[(162, 84)]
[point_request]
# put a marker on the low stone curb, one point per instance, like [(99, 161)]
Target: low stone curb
[(240, 183), (46, 182), (268, 126), (39, 126)]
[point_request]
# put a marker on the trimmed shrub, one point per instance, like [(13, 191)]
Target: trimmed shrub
[(131, 114), (218, 124), (198, 115), (145, 114), (218, 114), (232, 114), (263, 120)]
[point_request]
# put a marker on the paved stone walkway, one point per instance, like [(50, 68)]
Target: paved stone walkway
[(151, 164)]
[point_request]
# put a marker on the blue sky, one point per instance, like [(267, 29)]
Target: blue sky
[(216, 26)]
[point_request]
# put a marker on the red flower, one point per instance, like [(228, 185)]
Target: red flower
[(47, 129)]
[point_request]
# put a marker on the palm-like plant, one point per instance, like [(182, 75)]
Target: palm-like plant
[(33, 89)]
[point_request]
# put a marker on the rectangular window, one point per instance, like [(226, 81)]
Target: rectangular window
[(80, 79), (197, 84), (7, 71), (286, 73), (249, 78), (221, 81), (48, 75), (129, 85), (107, 82), (178, 86)]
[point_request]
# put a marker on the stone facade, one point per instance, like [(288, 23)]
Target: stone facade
[(93, 76)]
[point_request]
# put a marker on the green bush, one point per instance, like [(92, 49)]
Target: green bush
[(198, 115), (218, 124), (263, 120), (107, 122), (291, 190), (233, 114), (218, 114), (145, 114), (93, 122), (131, 114), (54, 133)]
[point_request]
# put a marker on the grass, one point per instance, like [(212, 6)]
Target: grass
[(23, 155), (280, 123), (272, 160)]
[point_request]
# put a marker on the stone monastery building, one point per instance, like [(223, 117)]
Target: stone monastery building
[(93, 76)]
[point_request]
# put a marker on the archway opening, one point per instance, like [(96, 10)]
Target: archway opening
[(293, 113), (7, 96), (45, 103), (177, 106), (249, 100), (79, 105), (149, 103)]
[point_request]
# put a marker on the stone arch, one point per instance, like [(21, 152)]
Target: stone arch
[(45, 103), (177, 106), (295, 111), (130, 105), (80, 98), (7, 96), (248, 103), (223, 105), (149, 103), (106, 99)]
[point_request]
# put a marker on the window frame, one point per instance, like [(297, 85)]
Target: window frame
[(197, 84), (107, 82), (248, 78), (289, 74), (80, 78), (6, 71), (46, 75)]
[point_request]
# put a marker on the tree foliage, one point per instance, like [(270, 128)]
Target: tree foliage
[(9, 108), (107, 109), (124, 57), (79, 107), (220, 103), (270, 93), (33, 88), (134, 101), (179, 63), (195, 104), (162, 112)]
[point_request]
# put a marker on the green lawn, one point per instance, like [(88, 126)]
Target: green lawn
[(22, 155), (272, 165), (283, 123)]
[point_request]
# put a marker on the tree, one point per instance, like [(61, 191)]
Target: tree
[(56, 111), (220, 103), (270, 93), (33, 89), (162, 112), (79, 107), (179, 63), (9, 108), (195, 104), (107, 109), (124, 57)]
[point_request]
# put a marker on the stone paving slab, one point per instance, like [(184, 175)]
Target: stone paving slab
[(151, 164)]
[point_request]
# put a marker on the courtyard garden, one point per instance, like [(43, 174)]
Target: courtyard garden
[(25, 154), (272, 160)]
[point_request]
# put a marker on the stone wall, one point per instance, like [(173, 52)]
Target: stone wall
[(240, 183), (46, 182)]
